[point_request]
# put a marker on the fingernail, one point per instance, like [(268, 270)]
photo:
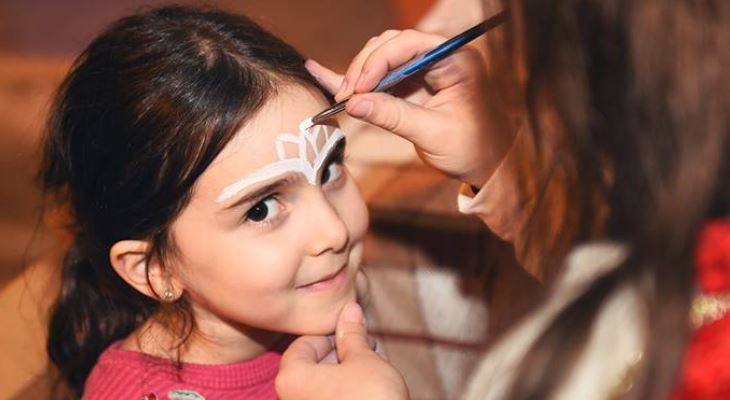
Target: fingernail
[(310, 64), (352, 313), (361, 108), (314, 75)]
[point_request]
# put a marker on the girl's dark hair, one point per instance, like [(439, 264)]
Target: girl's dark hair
[(641, 92), (143, 112)]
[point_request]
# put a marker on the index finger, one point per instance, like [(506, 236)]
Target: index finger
[(392, 54), (355, 67)]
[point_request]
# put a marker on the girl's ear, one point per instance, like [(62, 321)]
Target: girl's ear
[(129, 260)]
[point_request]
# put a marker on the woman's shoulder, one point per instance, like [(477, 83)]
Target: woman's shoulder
[(586, 263)]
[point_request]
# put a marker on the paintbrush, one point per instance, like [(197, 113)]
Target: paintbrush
[(433, 56)]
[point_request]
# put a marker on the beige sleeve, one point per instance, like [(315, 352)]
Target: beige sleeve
[(501, 202)]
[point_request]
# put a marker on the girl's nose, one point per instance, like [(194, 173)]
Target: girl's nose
[(328, 230)]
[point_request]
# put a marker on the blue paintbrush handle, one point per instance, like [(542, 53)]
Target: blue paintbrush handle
[(433, 56), (428, 59), (439, 53)]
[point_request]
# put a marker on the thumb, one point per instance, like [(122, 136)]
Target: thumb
[(299, 372), (307, 350), (394, 114), (350, 334)]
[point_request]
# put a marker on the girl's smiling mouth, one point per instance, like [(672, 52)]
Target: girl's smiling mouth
[(330, 281)]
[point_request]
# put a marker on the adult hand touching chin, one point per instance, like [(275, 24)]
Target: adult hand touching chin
[(447, 112), (361, 373)]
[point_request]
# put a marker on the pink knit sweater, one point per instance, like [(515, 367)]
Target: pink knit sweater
[(131, 375)]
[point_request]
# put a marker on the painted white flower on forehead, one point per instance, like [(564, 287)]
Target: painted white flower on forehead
[(306, 142)]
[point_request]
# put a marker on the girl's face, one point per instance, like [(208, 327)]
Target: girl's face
[(263, 244)]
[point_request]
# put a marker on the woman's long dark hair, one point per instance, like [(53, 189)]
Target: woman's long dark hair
[(145, 109), (641, 91)]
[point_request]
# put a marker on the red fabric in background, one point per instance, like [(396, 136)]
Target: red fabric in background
[(706, 370)]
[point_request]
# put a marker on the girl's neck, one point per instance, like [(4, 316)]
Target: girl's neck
[(218, 344)]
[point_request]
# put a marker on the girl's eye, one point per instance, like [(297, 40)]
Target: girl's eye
[(264, 209), (332, 172)]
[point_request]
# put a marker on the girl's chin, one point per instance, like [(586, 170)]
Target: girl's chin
[(326, 324), (321, 328)]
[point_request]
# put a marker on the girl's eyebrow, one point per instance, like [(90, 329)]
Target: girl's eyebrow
[(337, 152), (335, 147), (264, 190)]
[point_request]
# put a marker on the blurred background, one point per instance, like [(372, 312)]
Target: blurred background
[(441, 285)]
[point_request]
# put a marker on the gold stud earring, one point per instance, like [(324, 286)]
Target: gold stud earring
[(168, 295)]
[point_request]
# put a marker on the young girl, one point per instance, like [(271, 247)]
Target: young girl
[(207, 224)]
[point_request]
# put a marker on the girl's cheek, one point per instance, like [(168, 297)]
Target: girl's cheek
[(284, 261)]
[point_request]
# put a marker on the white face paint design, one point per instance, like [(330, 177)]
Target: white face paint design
[(306, 142)]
